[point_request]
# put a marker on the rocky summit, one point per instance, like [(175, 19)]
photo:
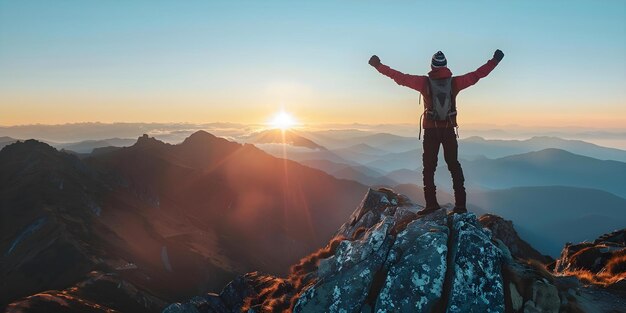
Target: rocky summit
[(387, 258)]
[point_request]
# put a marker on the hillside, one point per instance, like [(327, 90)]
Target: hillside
[(167, 220)]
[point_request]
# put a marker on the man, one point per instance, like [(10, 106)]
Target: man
[(440, 89)]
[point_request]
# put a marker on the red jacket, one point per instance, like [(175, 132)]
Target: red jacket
[(420, 83)]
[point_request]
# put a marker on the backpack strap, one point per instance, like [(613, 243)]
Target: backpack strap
[(419, 137)]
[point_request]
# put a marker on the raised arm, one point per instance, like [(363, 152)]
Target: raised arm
[(416, 82), (469, 79)]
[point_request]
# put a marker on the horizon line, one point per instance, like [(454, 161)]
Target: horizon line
[(304, 125)]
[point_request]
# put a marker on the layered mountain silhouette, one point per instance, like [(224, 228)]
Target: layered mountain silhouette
[(541, 168), (387, 258), (171, 220), (362, 174), (280, 136), (80, 147), (470, 147), (4, 141), (87, 146), (500, 148), (549, 167)]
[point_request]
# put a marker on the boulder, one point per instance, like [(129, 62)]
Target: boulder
[(477, 283), (416, 267)]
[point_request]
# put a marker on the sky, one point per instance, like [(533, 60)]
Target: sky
[(242, 61)]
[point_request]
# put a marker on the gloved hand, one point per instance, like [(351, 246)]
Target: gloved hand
[(374, 61), (498, 55)]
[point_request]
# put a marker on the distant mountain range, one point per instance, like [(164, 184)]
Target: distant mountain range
[(488, 164), (81, 147), (353, 146), (541, 168), (547, 167), (470, 148), (502, 148), (359, 173), (87, 146), (6, 141), (279, 136)]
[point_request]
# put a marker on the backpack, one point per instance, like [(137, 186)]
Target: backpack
[(443, 106)]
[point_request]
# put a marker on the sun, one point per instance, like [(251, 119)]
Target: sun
[(283, 120)]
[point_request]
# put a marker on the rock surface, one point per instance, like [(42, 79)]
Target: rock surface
[(386, 258), (602, 262), (476, 277)]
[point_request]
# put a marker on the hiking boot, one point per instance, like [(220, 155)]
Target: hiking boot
[(457, 210), (427, 210)]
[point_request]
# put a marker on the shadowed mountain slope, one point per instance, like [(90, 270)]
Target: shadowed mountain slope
[(48, 200), (168, 220)]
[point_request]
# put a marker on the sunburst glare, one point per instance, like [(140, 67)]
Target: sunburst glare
[(283, 120)]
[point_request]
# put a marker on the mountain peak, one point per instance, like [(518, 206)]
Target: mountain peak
[(203, 138), (146, 140), (544, 154), (201, 135), (30, 145)]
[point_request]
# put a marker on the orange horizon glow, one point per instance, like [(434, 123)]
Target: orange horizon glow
[(307, 115), (391, 105)]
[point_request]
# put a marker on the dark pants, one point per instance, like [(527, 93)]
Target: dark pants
[(433, 138)]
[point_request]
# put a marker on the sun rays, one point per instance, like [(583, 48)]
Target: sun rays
[(282, 120)]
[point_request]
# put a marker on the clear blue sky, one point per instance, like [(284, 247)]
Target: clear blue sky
[(177, 61)]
